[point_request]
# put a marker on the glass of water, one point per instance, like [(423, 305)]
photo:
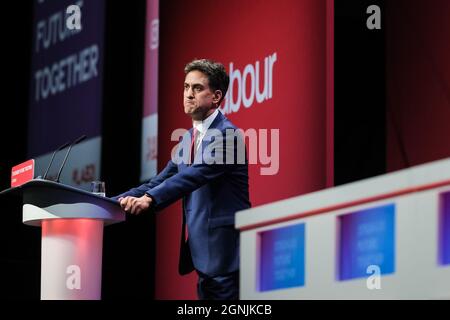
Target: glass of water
[(98, 188)]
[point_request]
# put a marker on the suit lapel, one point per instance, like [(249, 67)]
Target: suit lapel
[(216, 124)]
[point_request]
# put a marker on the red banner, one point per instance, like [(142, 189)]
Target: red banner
[(276, 53), (22, 173)]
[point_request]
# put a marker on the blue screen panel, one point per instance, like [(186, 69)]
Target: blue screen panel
[(367, 237), (66, 87), (282, 258), (444, 232)]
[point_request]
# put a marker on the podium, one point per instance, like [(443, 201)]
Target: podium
[(72, 223)]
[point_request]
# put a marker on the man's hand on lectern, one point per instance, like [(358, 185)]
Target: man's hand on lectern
[(135, 205)]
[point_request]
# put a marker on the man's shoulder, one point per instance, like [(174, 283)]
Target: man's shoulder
[(225, 123)]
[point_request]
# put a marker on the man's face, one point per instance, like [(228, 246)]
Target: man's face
[(199, 99)]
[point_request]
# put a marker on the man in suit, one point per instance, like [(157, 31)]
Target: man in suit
[(210, 174)]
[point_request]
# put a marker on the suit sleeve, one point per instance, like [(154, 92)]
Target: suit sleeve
[(198, 174), (170, 169)]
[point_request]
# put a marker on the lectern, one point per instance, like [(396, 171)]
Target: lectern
[(72, 223)]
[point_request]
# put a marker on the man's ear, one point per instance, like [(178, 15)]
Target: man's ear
[(217, 96)]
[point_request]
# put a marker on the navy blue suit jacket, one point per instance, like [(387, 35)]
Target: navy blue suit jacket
[(212, 189)]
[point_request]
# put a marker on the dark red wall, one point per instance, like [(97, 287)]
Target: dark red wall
[(418, 82)]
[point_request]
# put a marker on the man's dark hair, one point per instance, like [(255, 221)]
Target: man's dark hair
[(217, 76)]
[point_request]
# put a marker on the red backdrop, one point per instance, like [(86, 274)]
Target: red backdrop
[(243, 32), (418, 81)]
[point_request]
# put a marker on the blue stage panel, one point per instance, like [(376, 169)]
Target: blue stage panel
[(282, 258), (367, 238)]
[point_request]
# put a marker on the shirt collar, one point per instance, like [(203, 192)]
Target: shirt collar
[(202, 126)]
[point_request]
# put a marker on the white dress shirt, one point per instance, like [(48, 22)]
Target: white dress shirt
[(202, 127)]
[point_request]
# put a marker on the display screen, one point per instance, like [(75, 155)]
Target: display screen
[(282, 258), (367, 238), (66, 83), (444, 232)]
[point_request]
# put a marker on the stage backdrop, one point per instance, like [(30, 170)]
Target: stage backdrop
[(66, 88), (149, 141), (418, 82), (276, 54)]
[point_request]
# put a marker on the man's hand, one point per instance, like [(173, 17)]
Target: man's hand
[(135, 205)]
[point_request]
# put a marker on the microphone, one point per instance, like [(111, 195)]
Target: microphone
[(67, 154), (53, 157)]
